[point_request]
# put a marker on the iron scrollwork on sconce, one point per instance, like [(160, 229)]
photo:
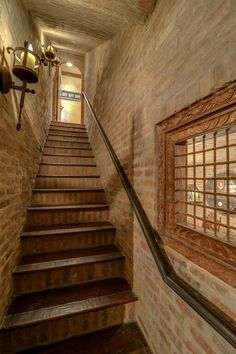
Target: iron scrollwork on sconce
[(49, 57), (26, 65)]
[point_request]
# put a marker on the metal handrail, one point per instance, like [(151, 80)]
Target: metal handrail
[(217, 319)]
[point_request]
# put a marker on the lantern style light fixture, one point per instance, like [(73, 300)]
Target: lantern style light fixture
[(49, 57), (26, 65)]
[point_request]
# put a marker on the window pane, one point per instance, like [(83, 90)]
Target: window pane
[(206, 197)]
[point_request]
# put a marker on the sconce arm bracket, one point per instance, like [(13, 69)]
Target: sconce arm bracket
[(9, 49), (20, 88)]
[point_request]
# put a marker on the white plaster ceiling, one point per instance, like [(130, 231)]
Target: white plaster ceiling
[(77, 26)]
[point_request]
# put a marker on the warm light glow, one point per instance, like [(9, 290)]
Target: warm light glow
[(50, 49), (69, 64), (30, 62)]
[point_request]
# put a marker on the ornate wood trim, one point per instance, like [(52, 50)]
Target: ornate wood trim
[(212, 112)]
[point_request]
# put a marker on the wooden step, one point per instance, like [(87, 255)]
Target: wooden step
[(68, 144), (67, 170), (68, 163), (61, 159), (67, 181), (67, 237), (121, 339), (67, 125), (68, 159), (68, 147), (66, 214), (68, 196), (68, 150), (50, 316), (55, 269), (69, 138), (69, 133)]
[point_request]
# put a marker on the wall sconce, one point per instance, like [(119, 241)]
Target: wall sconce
[(49, 57), (26, 65)]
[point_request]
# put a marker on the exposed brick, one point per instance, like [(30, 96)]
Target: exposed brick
[(20, 152), (134, 81)]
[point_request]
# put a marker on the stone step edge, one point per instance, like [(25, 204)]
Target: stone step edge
[(69, 262), (68, 309), (76, 230)]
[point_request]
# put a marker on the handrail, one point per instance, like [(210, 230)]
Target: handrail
[(219, 321)]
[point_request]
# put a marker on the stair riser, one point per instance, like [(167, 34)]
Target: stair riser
[(68, 126), (66, 182), (19, 339), (67, 170), (63, 198), (77, 152), (54, 217), (74, 144), (66, 138), (34, 244), (70, 133), (53, 278), (69, 159)]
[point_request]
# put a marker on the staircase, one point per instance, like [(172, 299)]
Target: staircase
[(69, 282)]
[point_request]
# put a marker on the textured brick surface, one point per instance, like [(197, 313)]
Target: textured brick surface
[(20, 152), (134, 81)]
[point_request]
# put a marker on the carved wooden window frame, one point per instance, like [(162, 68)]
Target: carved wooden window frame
[(214, 255)]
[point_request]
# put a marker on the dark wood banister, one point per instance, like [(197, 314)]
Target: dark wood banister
[(217, 319)]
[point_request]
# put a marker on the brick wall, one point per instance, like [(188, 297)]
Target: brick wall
[(135, 80), (20, 152)]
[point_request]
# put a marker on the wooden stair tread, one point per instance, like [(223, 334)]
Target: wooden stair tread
[(68, 254), (69, 207), (69, 176), (67, 229), (69, 155), (69, 141), (76, 140), (57, 190), (66, 124), (121, 339), (67, 129), (76, 261), (67, 147), (66, 132), (67, 309), (57, 296), (66, 164)]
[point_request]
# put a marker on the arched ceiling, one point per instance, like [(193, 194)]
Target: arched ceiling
[(77, 26)]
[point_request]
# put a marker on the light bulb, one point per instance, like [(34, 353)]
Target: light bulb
[(30, 47), (69, 65)]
